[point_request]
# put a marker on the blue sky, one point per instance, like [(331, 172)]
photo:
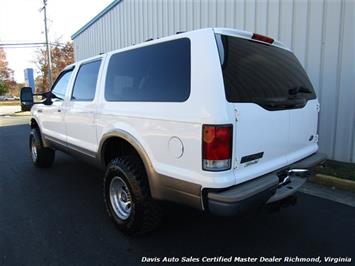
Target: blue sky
[(21, 21)]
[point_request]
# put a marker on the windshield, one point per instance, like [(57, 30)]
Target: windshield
[(263, 74)]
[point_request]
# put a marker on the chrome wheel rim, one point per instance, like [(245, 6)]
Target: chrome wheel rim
[(120, 198), (33, 150)]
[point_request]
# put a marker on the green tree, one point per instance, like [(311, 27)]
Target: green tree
[(7, 82), (61, 56), (3, 89)]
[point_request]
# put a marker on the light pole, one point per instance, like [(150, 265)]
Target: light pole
[(49, 60)]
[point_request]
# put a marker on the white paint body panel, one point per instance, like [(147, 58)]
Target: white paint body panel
[(281, 135), (81, 125), (321, 33), (52, 120)]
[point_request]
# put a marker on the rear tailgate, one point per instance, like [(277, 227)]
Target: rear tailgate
[(265, 140), (275, 106), (261, 139)]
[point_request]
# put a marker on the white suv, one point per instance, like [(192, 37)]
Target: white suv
[(218, 119)]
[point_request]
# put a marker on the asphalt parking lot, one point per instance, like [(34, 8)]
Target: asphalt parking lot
[(56, 216), (12, 115)]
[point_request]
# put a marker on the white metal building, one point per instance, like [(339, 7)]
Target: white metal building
[(320, 32)]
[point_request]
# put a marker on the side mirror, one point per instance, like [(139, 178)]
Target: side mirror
[(26, 98), (45, 98), (41, 98)]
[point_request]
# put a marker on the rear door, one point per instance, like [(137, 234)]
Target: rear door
[(274, 102), (81, 109)]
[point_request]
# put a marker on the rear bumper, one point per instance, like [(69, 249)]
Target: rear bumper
[(261, 190)]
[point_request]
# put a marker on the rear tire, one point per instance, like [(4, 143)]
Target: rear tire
[(127, 197), (41, 157)]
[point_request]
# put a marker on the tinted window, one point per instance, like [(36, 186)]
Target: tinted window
[(85, 82), (261, 73), (61, 84), (155, 73)]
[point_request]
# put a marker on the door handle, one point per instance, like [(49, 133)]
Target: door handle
[(59, 110), (39, 111)]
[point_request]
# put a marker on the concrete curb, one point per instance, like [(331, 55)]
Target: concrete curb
[(15, 114), (340, 183)]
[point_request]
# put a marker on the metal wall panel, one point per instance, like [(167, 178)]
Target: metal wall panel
[(320, 32)]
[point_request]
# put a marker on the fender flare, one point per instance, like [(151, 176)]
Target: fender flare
[(131, 140)]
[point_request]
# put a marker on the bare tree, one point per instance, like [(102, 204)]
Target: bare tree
[(61, 55)]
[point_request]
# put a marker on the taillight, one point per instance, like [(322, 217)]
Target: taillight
[(262, 38), (217, 147)]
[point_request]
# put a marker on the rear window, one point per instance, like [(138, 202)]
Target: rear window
[(263, 74), (154, 73)]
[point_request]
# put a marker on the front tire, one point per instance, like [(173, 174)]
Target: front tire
[(127, 196), (41, 157)]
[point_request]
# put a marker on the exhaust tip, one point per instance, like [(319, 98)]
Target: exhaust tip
[(300, 172)]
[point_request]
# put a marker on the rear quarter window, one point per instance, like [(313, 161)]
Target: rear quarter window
[(154, 73)]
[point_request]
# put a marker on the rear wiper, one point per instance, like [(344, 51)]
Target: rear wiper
[(299, 89), (280, 102)]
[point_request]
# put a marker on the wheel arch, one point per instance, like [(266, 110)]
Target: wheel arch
[(35, 124), (123, 135), (161, 186)]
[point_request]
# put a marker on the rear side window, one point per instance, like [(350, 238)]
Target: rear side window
[(85, 82), (263, 74), (155, 73)]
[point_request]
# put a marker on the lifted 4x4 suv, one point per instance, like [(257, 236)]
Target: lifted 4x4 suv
[(218, 119)]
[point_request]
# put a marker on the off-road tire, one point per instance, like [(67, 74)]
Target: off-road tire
[(45, 156), (145, 213)]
